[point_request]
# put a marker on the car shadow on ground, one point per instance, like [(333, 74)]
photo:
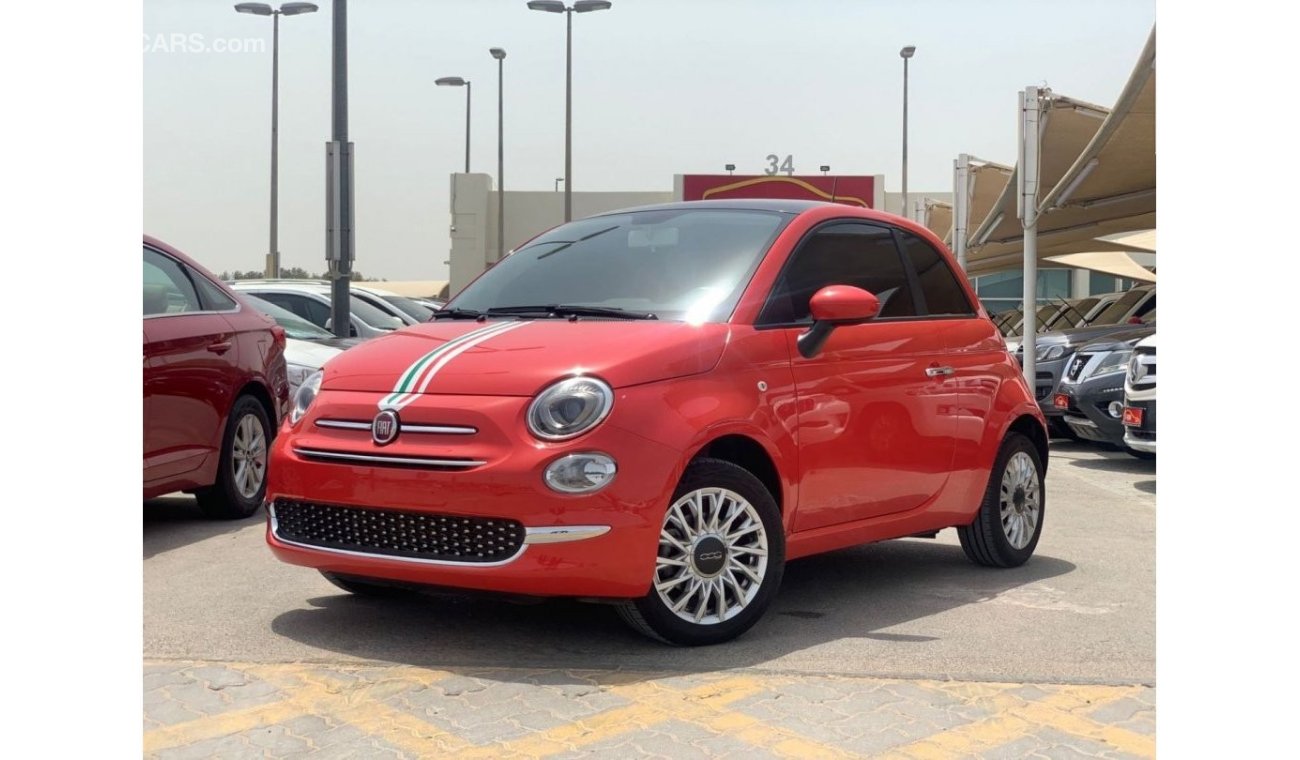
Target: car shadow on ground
[(853, 593), (173, 521), (1148, 486)]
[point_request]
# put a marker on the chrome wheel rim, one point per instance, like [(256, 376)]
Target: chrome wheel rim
[(712, 556), (1021, 500), (248, 456)]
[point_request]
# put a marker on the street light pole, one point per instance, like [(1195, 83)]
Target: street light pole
[(906, 53), (272, 268), (556, 6), (500, 55), (460, 82)]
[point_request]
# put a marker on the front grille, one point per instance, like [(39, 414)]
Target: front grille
[(1076, 365), (394, 533)]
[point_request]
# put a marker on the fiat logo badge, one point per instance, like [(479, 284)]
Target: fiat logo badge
[(385, 427)]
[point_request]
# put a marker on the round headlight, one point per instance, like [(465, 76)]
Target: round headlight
[(569, 408), (303, 399)]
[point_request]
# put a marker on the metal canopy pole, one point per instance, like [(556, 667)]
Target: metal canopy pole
[(1027, 210), (338, 153), (960, 206)]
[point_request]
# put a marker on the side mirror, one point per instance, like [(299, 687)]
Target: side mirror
[(834, 306)]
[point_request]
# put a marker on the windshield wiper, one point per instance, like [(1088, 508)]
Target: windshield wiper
[(571, 310), (456, 314)]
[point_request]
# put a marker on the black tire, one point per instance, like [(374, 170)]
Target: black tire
[(1147, 455), (364, 587), (651, 616), (985, 540), (223, 500)]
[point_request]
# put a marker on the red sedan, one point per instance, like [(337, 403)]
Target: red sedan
[(215, 386), (662, 406)]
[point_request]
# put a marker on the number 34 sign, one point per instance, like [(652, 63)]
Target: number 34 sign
[(773, 167)]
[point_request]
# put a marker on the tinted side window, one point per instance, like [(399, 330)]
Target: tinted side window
[(861, 255), (167, 290), (213, 297), (943, 295)]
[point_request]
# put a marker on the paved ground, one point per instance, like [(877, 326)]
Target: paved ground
[(900, 648)]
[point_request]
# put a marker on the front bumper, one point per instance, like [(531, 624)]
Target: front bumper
[(1087, 415), (597, 545), (1143, 437)]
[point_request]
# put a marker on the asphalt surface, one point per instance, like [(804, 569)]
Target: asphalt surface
[(1081, 611)]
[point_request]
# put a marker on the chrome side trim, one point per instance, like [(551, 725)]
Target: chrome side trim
[(342, 424), (342, 456), (563, 533), (275, 531), (439, 429), (406, 427)]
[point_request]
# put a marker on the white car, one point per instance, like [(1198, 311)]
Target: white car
[(310, 299), (306, 347), (1140, 397)]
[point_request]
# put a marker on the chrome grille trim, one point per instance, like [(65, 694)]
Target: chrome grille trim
[(406, 427), (344, 456)]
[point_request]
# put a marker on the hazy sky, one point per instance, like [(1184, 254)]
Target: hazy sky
[(660, 87)]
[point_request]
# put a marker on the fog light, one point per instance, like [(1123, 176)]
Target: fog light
[(580, 473), (1116, 409)]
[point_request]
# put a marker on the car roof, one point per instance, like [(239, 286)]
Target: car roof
[(301, 286)]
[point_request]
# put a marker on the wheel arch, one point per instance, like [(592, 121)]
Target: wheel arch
[(257, 390), (746, 452), (1030, 427)]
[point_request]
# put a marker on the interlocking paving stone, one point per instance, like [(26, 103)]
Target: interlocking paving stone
[(205, 710)]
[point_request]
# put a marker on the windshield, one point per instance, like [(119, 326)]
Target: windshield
[(678, 264), (418, 311), (294, 326), (373, 315), (1116, 311)]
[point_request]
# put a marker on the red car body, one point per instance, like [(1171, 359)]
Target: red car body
[(857, 444), (196, 364)]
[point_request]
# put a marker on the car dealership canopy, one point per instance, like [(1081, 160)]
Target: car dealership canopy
[(1097, 166), (1083, 172)]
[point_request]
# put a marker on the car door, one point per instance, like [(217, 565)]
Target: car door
[(973, 347), (189, 356), (873, 436)]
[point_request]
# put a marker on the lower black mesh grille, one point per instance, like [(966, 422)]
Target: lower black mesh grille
[(396, 533)]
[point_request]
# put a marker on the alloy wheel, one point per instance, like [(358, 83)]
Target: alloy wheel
[(712, 556), (1020, 500), (248, 455)]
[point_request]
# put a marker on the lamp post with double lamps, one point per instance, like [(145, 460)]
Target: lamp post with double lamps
[(272, 268), (556, 6)]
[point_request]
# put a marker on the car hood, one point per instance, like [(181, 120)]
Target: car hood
[(1077, 336), (1118, 340), (310, 353), (519, 358)]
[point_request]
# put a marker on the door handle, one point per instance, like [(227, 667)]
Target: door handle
[(220, 347), (939, 371)]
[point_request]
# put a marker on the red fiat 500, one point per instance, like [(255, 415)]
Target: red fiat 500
[(662, 406)]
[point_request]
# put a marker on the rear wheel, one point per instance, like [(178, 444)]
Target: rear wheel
[(720, 560), (1010, 519), (241, 476)]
